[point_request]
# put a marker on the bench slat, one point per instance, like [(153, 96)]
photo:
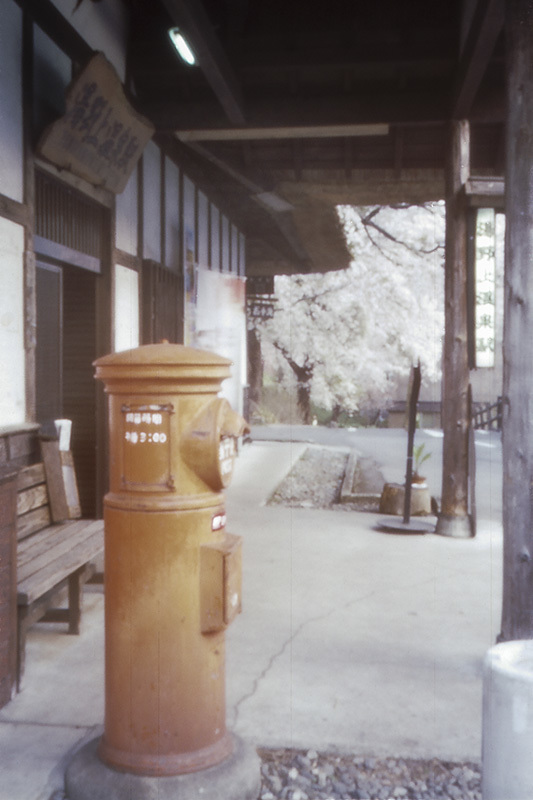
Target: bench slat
[(67, 537), (32, 498), (59, 567), (51, 556), (30, 476), (44, 539), (32, 522)]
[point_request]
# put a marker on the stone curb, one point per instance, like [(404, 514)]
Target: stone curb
[(347, 494)]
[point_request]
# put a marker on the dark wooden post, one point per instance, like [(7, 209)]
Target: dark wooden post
[(255, 367), (453, 519), (517, 615)]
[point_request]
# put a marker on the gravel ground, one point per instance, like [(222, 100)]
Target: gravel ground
[(300, 775), (316, 479), (315, 482)]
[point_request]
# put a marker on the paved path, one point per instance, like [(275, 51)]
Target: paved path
[(350, 639), (354, 639)]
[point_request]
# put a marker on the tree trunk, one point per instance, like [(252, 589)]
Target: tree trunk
[(303, 396), (336, 412), (517, 613), (255, 367), (453, 519)]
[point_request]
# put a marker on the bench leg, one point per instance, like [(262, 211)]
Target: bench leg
[(22, 628), (74, 601)]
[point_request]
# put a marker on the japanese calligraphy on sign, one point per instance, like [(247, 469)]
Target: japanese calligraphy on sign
[(485, 251), (101, 137)]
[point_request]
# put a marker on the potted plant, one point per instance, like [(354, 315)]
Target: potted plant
[(419, 456)]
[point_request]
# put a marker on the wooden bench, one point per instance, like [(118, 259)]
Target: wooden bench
[(55, 548)]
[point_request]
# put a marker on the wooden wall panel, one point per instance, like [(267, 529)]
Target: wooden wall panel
[(79, 386)]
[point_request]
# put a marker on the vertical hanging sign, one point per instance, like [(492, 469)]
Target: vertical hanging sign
[(485, 261)]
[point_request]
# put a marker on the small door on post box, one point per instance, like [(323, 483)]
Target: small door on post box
[(220, 583)]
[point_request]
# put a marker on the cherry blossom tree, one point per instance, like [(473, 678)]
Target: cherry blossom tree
[(345, 338)]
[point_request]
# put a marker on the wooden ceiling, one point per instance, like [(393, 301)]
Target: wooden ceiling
[(296, 107)]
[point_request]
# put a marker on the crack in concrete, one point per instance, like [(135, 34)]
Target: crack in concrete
[(283, 648), (295, 633)]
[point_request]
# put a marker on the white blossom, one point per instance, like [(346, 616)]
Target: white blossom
[(354, 333)]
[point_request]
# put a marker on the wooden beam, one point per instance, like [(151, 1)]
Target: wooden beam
[(54, 24), (289, 132), (454, 514), (485, 192), (484, 30), (517, 613), (486, 186), (398, 151), (296, 147), (13, 210), (348, 158), (30, 266), (190, 16), (284, 112)]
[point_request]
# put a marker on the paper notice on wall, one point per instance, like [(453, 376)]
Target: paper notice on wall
[(100, 137), (221, 326)]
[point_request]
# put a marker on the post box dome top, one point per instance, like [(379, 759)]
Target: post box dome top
[(152, 368), (163, 353)]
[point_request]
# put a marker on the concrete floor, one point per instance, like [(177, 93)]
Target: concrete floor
[(350, 640)]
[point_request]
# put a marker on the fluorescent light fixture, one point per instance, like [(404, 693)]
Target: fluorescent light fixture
[(182, 46)]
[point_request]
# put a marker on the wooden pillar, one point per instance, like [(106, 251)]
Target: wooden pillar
[(517, 615), (453, 519), (30, 276)]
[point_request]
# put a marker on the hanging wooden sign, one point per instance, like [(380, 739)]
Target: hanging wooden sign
[(100, 137)]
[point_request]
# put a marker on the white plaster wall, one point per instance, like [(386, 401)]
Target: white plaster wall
[(234, 250), (52, 73), (220, 327), (242, 255), (203, 230), (127, 216), (11, 161), (12, 357), (225, 243), (126, 308), (215, 238), (152, 202), (172, 215), (189, 219), (104, 26)]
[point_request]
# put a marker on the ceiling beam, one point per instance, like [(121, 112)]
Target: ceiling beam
[(485, 29), (294, 132), (279, 210), (326, 114), (191, 18), (485, 191)]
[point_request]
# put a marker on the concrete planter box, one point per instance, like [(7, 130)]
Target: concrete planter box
[(507, 750)]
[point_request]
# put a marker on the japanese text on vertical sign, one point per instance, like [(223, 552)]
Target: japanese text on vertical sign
[(485, 255)]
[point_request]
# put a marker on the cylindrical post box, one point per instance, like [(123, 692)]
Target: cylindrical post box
[(507, 750), (172, 573)]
